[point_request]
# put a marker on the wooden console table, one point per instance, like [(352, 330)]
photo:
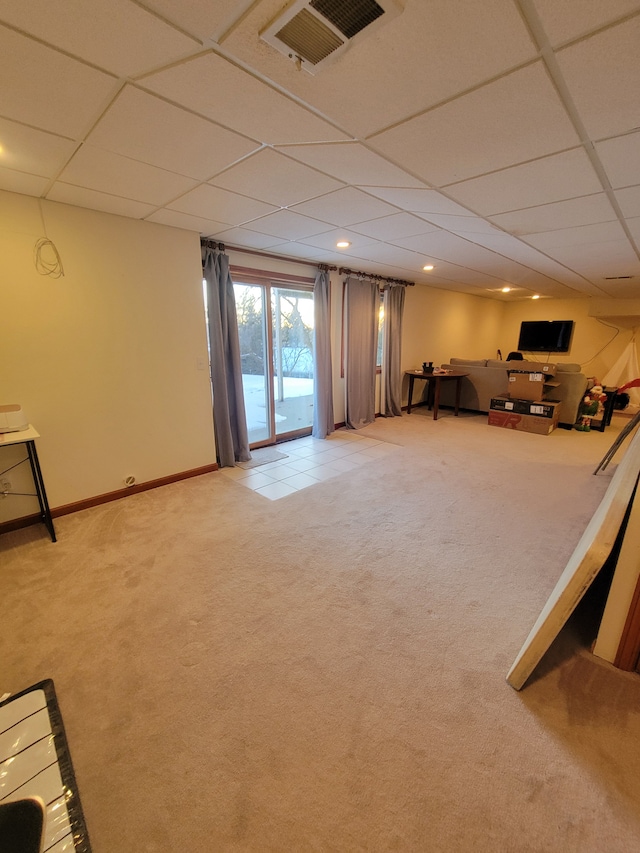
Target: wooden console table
[(28, 438), (433, 381)]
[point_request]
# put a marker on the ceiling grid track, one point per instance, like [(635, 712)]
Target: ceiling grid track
[(547, 54)]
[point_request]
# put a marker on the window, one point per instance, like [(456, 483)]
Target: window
[(275, 330)]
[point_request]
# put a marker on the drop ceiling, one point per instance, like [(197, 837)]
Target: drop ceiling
[(498, 141)]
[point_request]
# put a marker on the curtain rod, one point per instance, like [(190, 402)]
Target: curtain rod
[(212, 244), (221, 246), (375, 277)]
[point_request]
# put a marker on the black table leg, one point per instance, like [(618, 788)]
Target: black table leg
[(45, 512)]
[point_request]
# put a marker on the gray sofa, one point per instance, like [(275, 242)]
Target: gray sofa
[(488, 378)]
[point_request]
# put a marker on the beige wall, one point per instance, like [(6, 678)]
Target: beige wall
[(439, 325), (110, 361), (595, 345)]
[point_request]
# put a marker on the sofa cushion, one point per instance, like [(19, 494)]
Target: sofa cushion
[(470, 362), (497, 362), (568, 368)]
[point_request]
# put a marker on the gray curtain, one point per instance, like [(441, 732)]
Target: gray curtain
[(229, 416), (361, 304), (323, 422), (392, 344)]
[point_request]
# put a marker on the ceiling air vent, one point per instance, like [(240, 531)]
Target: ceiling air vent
[(316, 32)]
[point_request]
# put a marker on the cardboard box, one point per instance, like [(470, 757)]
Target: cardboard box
[(544, 409), (526, 386), (533, 367), (540, 424)]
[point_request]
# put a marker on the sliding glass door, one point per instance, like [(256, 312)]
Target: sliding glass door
[(275, 328)]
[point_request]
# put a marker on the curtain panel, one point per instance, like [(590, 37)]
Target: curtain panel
[(323, 421), (392, 346), (361, 306), (229, 417)]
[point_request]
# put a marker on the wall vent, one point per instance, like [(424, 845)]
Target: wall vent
[(316, 32)]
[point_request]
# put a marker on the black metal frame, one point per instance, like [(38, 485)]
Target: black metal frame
[(40, 493)]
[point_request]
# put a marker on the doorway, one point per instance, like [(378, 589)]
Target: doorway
[(275, 330)]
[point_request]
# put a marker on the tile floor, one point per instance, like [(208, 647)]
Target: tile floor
[(309, 461)]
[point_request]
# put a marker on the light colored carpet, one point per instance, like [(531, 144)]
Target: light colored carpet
[(327, 672)]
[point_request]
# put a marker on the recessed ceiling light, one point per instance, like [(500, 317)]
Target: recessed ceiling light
[(343, 244), (506, 289), (428, 267)]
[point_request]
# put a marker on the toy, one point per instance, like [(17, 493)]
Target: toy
[(592, 403)]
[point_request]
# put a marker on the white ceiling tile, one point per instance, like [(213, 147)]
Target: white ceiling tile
[(634, 227), (116, 35), (451, 247), (110, 173), (81, 197), (599, 233), (275, 179), (209, 85), (189, 223), (345, 207), (215, 203), (303, 251), (353, 163), (623, 289), (394, 255), (597, 261), (460, 260), (561, 214), (549, 179), (621, 159), (507, 128), (461, 224), (517, 250), (602, 74), (146, 128), (28, 150), (550, 264), (246, 238), (48, 90), (328, 240), (572, 19), (394, 226), (206, 19), (455, 272), (20, 182), (286, 224), (418, 201), (629, 201), (427, 54)]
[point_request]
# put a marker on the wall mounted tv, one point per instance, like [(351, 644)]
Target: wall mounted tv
[(545, 335)]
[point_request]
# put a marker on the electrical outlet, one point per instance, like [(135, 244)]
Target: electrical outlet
[(5, 488)]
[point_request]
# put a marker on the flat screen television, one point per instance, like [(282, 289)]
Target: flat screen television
[(545, 335)]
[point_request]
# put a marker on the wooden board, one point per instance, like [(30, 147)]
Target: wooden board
[(584, 564), (623, 587)]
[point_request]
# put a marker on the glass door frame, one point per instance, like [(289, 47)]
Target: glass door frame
[(270, 282)]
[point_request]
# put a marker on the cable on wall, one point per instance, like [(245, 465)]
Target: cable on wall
[(46, 257)]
